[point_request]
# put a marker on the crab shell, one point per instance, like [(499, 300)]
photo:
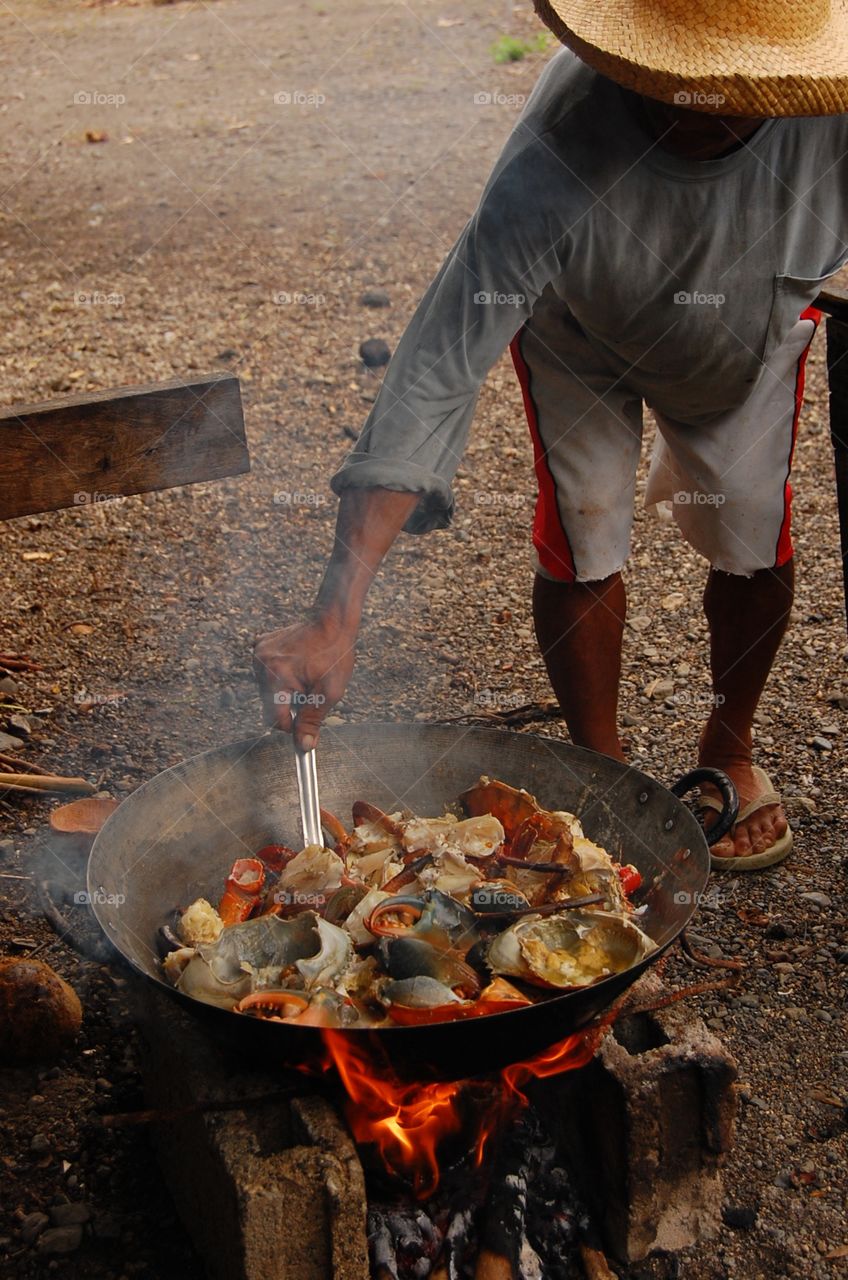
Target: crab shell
[(573, 949)]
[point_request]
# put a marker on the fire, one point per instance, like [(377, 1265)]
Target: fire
[(408, 1122)]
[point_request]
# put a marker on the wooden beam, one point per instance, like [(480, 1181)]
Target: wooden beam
[(87, 448), (833, 301)]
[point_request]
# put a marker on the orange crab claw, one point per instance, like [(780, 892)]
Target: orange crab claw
[(393, 917), (274, 1006), (365, 812), (242, 890)]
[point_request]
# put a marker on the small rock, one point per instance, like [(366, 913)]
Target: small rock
[(69, 1215), (375, 298), (333, 721), (818, 899), (738, 1216), (673, 601), (60, 1240), (227, 700), (8, 685), (821, 744), (822, 1015), (103, 1084), (7, 848), (829, 730), (40, 1144), (628, 721), (8, 743), (351, 433), (659, 688), (640, 623), (32, 1226), (374, 353), (749, 1001), (19, 725)]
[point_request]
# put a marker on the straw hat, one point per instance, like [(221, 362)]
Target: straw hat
[(725, 57)]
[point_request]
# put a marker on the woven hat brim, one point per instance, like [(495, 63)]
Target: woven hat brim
[(691, 65)]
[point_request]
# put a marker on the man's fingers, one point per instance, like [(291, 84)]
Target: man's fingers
[(310, 716)]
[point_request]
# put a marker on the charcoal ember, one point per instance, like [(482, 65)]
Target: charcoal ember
[(533, 1216), (403, 1240)]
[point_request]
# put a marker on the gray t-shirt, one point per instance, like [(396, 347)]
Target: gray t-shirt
[(685, 274)]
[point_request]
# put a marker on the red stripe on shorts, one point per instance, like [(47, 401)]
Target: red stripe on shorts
[(549, 536), (785, 550)]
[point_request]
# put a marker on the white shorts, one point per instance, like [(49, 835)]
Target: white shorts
[(726, 485)]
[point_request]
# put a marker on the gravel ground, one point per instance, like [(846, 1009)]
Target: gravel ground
[(214, 227)]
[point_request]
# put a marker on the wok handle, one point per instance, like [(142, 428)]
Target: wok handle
[(729, 795)]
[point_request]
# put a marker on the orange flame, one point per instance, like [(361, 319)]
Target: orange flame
[(408, 1122)]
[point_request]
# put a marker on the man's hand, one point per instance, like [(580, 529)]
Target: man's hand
[(303, 669)]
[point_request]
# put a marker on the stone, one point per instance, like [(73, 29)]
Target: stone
[(59, 1240), (640, 623), (817, 898), (659, 688), (375, 298), (40, 1144), (69, 1215), (9, 686), (374, 353), (821, 744), (739, 1217), (10, 743), (32, 1226)]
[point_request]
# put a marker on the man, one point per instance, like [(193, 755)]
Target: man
[(659, 221)]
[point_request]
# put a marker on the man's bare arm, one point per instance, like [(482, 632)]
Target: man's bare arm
[(305, 667)]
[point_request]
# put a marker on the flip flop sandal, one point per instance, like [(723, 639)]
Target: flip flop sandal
[(753, 861)]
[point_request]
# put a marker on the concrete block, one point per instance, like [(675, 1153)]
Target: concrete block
[(270, 1191), (648, 1123)]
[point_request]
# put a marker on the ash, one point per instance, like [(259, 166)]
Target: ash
[(522, 1207)]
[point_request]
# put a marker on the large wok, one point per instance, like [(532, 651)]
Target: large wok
[(177, 836)]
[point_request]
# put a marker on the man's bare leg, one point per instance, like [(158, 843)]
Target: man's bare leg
[(747, 619), (579, 627)]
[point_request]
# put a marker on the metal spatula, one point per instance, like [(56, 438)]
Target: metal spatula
[(307, 789)]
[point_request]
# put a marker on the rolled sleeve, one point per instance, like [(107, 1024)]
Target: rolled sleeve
[(415, 435)]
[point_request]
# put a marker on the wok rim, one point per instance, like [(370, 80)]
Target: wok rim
[(698, 847)]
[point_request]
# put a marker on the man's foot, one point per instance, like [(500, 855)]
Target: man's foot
[(762, 829)]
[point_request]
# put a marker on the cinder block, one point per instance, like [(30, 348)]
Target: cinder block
[(647, 1124), (273, 1191)]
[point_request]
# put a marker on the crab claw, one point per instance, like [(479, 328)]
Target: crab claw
[(274, 1006)]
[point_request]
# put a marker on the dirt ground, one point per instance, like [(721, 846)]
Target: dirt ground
[(264, 163)]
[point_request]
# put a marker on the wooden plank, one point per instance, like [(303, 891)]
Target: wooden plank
[(86, 448), (834, 301)]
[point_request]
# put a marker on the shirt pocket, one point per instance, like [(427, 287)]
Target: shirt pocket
[(790, 296)]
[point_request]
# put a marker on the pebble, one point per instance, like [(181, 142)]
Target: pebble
[(822, 1015), (817, 898), (60, 1240), (659, 688), (640, 623), (740, 1217), (375, 298), (32, 1226), (69, 1215), (8, 743), (374, 353), (821, 744), (8, 685), (40, 1144)]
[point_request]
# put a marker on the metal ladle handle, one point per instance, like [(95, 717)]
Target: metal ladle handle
[(307, 789)]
